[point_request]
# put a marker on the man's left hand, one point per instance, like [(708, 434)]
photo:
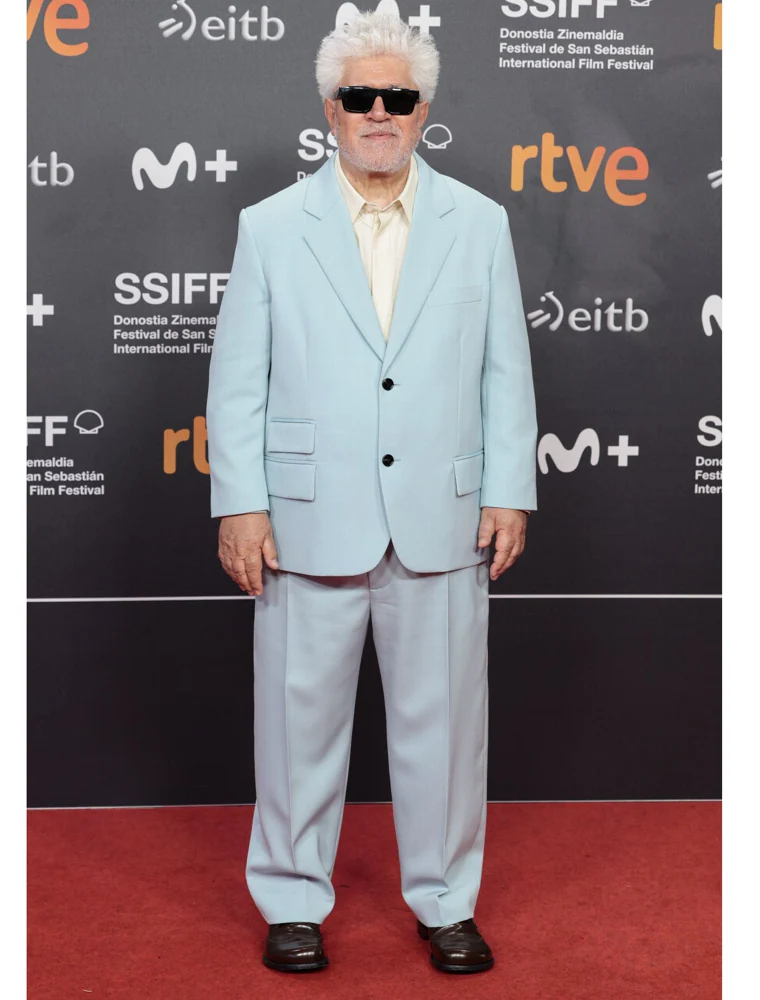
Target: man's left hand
[(509, 526)]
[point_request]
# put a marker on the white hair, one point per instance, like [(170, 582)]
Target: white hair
[(377, 32)]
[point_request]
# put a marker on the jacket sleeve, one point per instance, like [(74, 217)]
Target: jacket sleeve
[(507, 394), (238, 384)]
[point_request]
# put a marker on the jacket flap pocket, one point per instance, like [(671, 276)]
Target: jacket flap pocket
[(468, 472), (289, 434), (455, 293), (294, 480)]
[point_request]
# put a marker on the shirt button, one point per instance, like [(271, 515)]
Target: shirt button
[(387, 383), (387, 459)]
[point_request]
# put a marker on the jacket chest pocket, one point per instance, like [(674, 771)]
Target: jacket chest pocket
[(291, 434), (451, 294)]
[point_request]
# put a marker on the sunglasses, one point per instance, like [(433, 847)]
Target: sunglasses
[(359, 100)]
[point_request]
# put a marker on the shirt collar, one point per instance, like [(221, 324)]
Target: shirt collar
[(356, 201)]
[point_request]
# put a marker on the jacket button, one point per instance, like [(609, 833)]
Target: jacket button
[(387, 459), (387, 383)]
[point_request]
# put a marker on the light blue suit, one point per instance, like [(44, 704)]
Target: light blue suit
[(374, 461), (315, 426)]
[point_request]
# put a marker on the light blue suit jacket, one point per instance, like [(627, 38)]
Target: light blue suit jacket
[(349, 442)]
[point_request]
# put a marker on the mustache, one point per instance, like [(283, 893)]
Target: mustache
[(380, 131)]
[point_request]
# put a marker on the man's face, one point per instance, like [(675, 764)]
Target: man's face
[(376, 141)]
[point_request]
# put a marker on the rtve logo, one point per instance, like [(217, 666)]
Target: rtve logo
[(568, 459), (172, 440), (555, 8), (163, 175), (52, 24), (584, 174)]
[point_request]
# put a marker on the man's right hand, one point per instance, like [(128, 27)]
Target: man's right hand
[(243, 540)]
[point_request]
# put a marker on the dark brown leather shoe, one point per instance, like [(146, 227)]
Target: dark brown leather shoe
[(295, 947), (457, 947)]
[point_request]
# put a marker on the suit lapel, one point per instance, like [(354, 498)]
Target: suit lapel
[(333, 242)]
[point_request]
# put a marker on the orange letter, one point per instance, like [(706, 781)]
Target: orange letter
[(585, 176), (612, 174), (54, 24), (32, 14), (171, 440), (549, 153), (519, 155), (199, 445), (718, 27)]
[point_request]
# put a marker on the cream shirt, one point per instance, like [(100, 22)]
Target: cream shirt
[(382, 235)]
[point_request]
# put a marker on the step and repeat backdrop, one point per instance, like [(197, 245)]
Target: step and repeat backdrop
[(596, 123)]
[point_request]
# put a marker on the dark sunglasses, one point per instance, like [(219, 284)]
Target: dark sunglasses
[(359, 100)]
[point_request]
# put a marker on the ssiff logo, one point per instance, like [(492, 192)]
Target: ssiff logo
[(556, 8), (584, 174), (52, 24)]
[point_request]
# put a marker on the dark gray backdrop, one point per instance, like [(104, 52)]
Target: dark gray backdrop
[(605, 636)]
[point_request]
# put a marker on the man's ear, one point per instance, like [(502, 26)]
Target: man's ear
[(329, 112)]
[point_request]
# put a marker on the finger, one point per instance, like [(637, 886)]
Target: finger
[(504, 548), (485, 534), (238, 573), (269, 551), (253, 569)]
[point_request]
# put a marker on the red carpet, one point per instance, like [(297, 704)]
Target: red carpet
[(601, 901)]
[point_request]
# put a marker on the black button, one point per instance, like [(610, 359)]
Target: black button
[(387, 383), (387, 459)]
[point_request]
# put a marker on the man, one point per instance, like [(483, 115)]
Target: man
[(371, 428)]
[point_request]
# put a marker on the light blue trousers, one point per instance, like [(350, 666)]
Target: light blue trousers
[(430, 632)]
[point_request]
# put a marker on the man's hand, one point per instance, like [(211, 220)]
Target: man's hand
[(243, 539), (509, 526)]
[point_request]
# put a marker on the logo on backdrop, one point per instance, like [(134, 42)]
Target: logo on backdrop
[(437, 136), (592, 48), (708, 472), (586, 175), (198, 437), (233, 26), (424, 21), (58, 476), (52, 24), (712, 315), (568, 459), (715, 177), (163, 175), (616, 319), (38, 310), (557, 8), (61, 174), (172, 332)]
